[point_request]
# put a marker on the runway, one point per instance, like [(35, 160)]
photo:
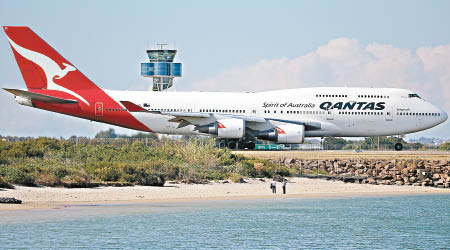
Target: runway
[(346, 155)]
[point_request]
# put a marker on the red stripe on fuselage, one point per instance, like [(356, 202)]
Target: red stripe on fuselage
[(119, 118)]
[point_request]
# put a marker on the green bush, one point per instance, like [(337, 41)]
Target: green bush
[(19, 176), (52, 162), (107, 172), (146, 177), (283, 171), (237, 178), (445, 146), (4, 184)]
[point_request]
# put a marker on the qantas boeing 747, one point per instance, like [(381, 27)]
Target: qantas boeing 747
[(282, 116)]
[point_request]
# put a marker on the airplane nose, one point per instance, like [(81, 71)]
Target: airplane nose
[(444, 116)]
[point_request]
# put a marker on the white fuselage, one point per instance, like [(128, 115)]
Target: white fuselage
[(340, 111)]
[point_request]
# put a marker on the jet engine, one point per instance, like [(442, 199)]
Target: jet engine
[(291, 133), (225, 128)]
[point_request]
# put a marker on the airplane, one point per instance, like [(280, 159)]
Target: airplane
[(237, 120)]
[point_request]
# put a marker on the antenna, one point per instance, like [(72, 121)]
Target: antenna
[(161, 45)]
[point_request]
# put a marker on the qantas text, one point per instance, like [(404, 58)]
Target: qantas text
[(353, 105)]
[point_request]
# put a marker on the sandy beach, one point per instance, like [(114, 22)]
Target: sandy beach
[(47, 197)]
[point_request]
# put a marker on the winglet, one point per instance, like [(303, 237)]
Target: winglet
[(132, 107)]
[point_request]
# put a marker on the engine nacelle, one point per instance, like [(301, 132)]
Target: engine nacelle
[(225, 128), (231, 128), (289, 134), (23, 101)]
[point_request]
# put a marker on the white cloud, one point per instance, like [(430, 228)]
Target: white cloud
[(345, 61)]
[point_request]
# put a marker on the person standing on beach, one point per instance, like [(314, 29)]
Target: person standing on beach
[(283, 184), (274, 186)]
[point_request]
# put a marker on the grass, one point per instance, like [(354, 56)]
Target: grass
[(52, 162)]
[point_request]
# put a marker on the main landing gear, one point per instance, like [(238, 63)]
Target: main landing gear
[(233, 144)]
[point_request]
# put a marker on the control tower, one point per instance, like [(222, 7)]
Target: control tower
[(161, 68)]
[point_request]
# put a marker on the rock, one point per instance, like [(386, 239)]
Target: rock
[(371, 180), (438, 183), (436, 177), (405, 171), (289, 161), (10, 200), (399, 183), (411, 166), (385, 182), (436, 170), (416, 184)]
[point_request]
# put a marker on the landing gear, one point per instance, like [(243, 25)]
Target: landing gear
[(250, 145), (231, 145), (398, 146), (235, 144)]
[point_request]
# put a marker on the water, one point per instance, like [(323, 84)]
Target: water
[(405, 222)]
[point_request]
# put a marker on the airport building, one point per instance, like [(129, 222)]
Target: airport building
[(161, 68)]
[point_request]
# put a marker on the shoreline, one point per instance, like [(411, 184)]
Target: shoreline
[(299, 188)]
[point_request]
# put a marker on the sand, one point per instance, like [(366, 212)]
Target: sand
[(47, 197)]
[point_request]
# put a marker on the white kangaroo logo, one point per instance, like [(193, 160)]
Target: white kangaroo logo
[(50, 68)]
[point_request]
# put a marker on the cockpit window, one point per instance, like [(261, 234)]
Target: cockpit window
[(413, 95)]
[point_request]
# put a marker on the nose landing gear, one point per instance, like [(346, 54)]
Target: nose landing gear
[(398, 146)]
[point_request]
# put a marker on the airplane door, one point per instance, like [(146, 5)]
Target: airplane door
[(389, 114), (330, 115), (99, 109)]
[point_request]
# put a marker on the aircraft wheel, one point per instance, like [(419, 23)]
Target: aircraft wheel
[(251, 145), (398, 147), (231, 145), (241, 145)]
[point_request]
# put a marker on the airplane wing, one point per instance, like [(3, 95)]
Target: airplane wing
[(40, 97), (183, 117)]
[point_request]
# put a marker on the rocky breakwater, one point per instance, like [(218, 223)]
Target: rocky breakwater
[(10, 200), (385, 172)]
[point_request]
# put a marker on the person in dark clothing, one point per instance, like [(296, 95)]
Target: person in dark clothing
[(283, 184)]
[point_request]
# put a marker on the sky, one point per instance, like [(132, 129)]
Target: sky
[(234, 46)]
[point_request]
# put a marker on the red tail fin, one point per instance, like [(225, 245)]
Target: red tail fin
[(44, 68)]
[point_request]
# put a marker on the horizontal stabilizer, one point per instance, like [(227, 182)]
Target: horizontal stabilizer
[(40, 97), (131, 107)]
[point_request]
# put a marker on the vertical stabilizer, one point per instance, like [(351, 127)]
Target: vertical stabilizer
[(42, 67)]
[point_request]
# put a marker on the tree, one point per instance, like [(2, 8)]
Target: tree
[(110, 133), (334, 143), (445, 146)]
